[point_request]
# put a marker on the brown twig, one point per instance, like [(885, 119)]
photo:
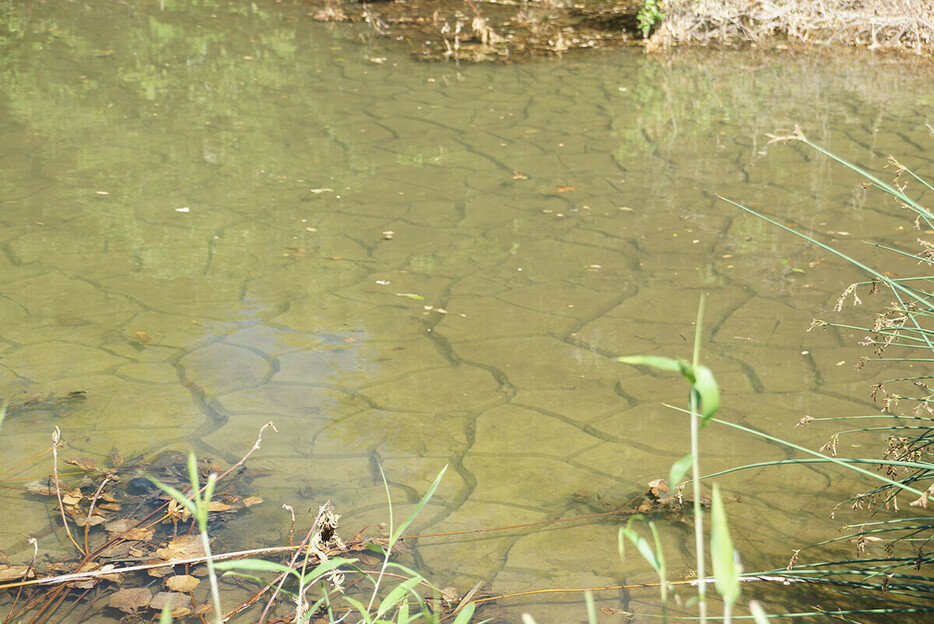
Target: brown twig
[(56, 442), (255, 447), (87, 522)]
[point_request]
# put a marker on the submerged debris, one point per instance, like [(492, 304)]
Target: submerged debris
[(500, 31)]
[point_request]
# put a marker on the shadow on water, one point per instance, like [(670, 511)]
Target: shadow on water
[(216, 215)]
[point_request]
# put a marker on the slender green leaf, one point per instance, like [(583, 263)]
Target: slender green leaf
[(678, 470), (418, 508), (326, 566), (193, 478), (257, 565), (464, 615), (394, 597), (183, 500), (360, 607), (256, 579), (686, 370), (641, 544), (725, 569), (165, 616), (591, 607), (655, 361), (709, 393), (758, 613)]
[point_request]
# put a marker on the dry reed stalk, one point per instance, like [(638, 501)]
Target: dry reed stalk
[(901, 25)]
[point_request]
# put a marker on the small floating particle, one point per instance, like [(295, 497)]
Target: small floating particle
[(383, 282), (102, 193), (388, 234), (727, 256), (143, 337), (183, 209), (841, 362), (311, 229), (321, 190), (625, 208), (566, 189)]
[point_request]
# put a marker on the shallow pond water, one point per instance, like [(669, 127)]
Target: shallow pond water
[(218, 215)]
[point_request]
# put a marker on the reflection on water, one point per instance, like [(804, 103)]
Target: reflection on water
[(196, 208)]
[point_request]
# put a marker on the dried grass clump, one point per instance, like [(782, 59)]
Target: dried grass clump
[(903, 25)]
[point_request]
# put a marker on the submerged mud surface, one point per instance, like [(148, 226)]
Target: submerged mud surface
[(216, 216)]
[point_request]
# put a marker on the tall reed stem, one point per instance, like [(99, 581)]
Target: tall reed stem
[(695, 472)]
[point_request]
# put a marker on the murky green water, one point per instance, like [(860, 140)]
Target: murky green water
[(412, 265)]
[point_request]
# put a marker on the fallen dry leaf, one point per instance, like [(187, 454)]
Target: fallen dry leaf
[(180, 603), (182, 583), (160, 572), (249, 501), (13, 573), (69, 499), (115, 458), (84, 584), (218, 506), (43, 486), (140, 534), (143, 337), (182, 547), (129, 600), (84, 463)]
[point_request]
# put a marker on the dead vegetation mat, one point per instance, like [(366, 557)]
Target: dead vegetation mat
[(891, 25), (491, 31), (515, 30)]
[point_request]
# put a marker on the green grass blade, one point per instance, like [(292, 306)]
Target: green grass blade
[(642, 545), (394, 597), (418, 508), (165, 616), (895, 285), (655, 361), (726, 575), (758, 613), (591, 607), (709, 393), (678, 470), (361, 609), (465, 614), (183, 500), (256, 565)]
